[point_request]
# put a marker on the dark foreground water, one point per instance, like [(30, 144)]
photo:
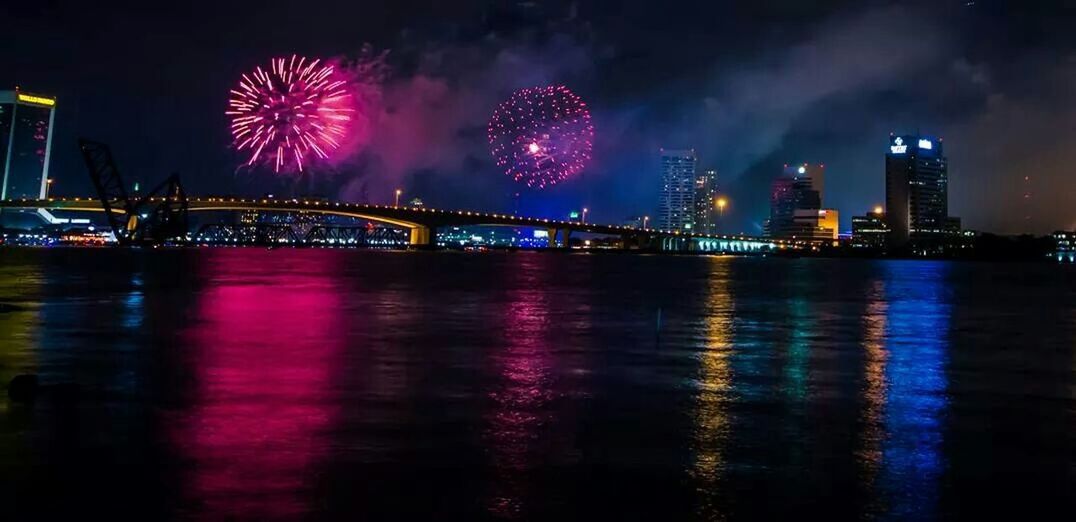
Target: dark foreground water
[(254, 384)]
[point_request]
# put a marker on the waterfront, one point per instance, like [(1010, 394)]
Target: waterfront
[(246, 383)]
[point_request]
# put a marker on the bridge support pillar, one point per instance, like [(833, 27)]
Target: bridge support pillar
[(424, 237), (552, 233)]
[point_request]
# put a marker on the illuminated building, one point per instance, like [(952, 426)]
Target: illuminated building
[(796, 205), (26, 122), (676, 210), (498, 237), (1065, 246), (917, 191), (829, 220), (706, 202), (870, 230)]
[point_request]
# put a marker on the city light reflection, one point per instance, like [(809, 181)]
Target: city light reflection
[(522, 400), (714, 382), (875, 388), (19, 318), (917, 323), (262, 356)]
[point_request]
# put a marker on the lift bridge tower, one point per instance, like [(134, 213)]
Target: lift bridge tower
[(158, 217)]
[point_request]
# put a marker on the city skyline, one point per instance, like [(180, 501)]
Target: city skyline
[(743, 136), (534, 260)]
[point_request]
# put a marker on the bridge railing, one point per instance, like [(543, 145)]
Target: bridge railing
[(424, 217)]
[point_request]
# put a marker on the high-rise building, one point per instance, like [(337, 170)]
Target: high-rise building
[(870, 230), (917, 191), (830, 222), (676, 210), (796, 205), (706, 202), (25, 143)]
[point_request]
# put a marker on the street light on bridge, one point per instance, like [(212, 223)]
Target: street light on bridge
[(398, 192), (645, 220), (48, 186), (585, 210)]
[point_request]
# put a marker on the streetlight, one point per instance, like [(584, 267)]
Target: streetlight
[(398, 192), (721, 204), (48, 185), (585, 210), (879, 210), (645, 219)]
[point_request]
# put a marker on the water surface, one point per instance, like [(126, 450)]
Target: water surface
[(255, 384)]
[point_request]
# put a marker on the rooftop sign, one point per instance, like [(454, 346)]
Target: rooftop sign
[(39, 100)]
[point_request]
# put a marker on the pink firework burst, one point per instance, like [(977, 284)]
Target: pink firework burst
[(541, 136), (296, 112)]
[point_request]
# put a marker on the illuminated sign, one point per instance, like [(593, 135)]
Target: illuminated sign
[(898, 146), (541, 234), (926, 144), (573, 215), (36, 99)]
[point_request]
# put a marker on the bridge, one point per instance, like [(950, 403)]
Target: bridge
[(423, 223), (160, 216)]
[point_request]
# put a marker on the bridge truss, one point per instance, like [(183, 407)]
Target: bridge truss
[(157, 217)]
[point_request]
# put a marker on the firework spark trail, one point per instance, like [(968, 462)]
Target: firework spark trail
[(294, 109), (541, 136)]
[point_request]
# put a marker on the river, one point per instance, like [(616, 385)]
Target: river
[(248, 383)]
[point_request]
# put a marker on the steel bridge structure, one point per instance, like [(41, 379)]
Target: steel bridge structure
[(422, 224), (160, 216)]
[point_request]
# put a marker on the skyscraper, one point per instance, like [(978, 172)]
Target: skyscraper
[(676, 210), (706, 202), (917, 191), (796, 205), (25, 143)]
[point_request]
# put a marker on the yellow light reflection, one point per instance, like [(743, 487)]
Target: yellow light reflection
[(712, 426), (875, 386), (19, 285)]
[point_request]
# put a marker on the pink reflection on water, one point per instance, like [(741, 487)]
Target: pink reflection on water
[(266, 336), (521, 402)]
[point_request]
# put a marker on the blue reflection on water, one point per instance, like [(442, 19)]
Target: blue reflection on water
[(799, 348), (916, 338), (132, 305)]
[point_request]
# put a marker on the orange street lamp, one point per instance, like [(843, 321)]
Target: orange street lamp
[(48, 186), (721, 204), (879, 210)]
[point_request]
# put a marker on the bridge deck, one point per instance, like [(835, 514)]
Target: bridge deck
[(420, 220)]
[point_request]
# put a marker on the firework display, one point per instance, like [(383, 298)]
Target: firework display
[(295, 112), (541, 136)]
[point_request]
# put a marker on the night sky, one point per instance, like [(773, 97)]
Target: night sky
[(749, 85)]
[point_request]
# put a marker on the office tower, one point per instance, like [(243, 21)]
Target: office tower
[(676, 210), (25, 143), (870, 230), (796, 205), (917, 191), (706, 202), (829, 221)]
